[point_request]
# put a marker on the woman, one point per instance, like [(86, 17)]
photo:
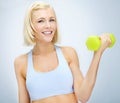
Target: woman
[(50, 73)]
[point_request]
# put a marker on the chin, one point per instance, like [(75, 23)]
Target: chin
[(49, 41)]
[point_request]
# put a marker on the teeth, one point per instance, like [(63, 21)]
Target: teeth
[(47, 32)]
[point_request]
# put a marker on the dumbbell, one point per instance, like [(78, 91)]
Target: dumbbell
[(93, 43)]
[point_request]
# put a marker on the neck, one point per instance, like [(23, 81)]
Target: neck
[(43, 49)]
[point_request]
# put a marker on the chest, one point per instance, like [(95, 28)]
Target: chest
[(45, 63)]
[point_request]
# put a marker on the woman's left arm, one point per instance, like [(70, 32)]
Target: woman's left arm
[(83, 86)]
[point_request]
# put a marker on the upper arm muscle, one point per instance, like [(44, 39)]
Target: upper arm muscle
[(73, 61), (19, 65)]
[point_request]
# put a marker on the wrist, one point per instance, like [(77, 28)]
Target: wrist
[(98, 52)]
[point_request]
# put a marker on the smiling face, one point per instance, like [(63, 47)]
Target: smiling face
[(44, 23)]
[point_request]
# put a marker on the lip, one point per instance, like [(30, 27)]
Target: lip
[(47, 32)]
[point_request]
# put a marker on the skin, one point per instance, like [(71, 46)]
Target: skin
[(44, 52)]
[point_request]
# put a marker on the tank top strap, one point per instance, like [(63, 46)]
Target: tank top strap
[(30, 63), (60, 55)]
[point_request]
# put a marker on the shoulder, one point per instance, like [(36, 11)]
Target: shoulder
[(69, 53), (20, 60), (68, 50), (20, 63)]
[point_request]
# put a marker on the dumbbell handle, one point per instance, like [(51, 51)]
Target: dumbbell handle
[(93, 43)]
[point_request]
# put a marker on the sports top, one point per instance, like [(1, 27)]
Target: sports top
[(41, 85)]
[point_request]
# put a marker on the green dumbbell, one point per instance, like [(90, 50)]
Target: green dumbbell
[(93, 42)]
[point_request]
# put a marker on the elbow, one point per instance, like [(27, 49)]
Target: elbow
[(83, 100), (84, 97)]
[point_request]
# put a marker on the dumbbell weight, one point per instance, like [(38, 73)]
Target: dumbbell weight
[(93, 43)]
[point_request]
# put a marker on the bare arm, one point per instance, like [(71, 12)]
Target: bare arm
[(19, 71), (83, 86)]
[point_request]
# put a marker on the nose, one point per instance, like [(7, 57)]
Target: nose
[(48, 25)]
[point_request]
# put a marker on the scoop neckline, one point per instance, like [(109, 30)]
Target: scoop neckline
[(48, 72)]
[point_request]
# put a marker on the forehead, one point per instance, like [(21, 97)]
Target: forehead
[(43, 13)]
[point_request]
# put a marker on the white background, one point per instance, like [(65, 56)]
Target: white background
[(77, 19)]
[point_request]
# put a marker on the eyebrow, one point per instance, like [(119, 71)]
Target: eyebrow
[(44, 18)]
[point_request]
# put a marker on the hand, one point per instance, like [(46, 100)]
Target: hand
[(105, 42)]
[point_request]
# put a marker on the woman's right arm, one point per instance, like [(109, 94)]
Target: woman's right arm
[(19, 65)]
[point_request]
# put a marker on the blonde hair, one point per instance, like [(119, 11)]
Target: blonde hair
[(28, 29)]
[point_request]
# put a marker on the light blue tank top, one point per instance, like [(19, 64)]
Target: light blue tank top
[(41, 85)]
